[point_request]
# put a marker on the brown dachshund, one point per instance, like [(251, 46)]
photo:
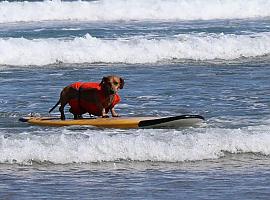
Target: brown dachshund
[(90, 97)]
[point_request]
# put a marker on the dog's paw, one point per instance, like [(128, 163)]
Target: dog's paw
[(105, 116)]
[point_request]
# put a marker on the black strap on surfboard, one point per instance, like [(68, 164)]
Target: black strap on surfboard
[(152, 122)]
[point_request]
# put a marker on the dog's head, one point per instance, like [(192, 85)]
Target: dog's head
[(111, 84)]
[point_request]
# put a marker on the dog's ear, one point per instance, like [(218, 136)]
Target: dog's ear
[(122, 83), (104, 80)]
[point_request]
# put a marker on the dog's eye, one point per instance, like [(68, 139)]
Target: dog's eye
[(115, 83)]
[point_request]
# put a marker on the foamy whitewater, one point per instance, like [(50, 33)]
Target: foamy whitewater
[(20, 51), (167, 146), (209, 58), (104, 10)]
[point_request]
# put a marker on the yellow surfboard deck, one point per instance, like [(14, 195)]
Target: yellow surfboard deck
[(119, 122)]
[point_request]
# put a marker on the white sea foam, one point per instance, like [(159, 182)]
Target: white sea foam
[(141, 145), (88, 49), (132, 10)]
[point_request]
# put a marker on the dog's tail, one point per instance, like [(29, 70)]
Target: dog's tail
[(54, 106)]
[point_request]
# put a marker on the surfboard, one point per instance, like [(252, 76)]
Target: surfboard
[(119, 122)]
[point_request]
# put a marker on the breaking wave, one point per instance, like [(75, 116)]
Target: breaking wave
[(88, 49), (140, 145), (132, 10)]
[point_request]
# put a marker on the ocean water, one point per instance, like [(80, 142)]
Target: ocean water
[(210, 58)]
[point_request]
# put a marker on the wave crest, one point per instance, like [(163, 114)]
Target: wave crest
[(132, 10), (141, 145), (88, 49)]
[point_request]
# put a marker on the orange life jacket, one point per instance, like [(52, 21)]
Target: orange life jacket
[(80, 106)]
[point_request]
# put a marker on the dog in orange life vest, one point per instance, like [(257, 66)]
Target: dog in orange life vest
[(91, 97)]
